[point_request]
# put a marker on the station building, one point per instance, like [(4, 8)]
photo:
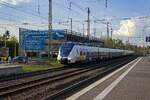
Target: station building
[(35, 42)]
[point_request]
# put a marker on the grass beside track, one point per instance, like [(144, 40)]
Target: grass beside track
[(30, 68), (54, 63), (48, 64)]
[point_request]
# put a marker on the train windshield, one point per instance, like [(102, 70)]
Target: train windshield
[(66, 49)]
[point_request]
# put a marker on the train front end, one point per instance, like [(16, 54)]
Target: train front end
[(64, 52)]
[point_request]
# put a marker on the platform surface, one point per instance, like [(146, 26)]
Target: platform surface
[(131, 82), (8, 66), (10, 69)]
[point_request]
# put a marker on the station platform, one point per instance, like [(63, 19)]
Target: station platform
[(130, 82), (9, 69)]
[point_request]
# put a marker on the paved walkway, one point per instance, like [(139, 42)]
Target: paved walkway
[(131, 82)]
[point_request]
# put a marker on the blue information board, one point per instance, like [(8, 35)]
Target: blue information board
[(148, 39), (36, 40)]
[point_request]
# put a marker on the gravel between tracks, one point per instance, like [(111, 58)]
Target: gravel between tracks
[(42, 90)]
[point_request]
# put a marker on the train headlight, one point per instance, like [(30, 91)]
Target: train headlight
[(69, 58)]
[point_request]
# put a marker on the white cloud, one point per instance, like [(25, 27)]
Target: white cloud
[(15, 2), (127, 28)]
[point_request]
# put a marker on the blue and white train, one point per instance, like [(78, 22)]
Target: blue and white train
[(72, 52)]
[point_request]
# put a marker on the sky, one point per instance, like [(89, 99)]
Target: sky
[(129, 19)]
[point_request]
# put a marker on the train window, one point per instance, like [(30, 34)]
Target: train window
[(77, 51), (84, 53), (80, 53), (87, 53)]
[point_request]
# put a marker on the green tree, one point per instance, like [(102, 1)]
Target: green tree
[(12, 44)]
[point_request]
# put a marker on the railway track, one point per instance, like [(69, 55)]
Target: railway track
[(65, 92), (4, 85), (7, 88), (49, 86), (29, 74), (35, 73)]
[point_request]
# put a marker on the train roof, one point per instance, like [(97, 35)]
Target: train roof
[(77, 43), (101, 48)]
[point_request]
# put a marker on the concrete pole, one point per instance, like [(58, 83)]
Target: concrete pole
[(88, 24), (5, 40), (111, 33), (50, 31), (15, 51), (107, 39), (83, 29), (71, 25), (107, 31)]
